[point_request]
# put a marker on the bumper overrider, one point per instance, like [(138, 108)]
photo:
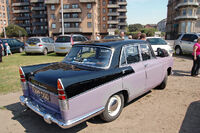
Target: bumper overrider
[(48, 118)]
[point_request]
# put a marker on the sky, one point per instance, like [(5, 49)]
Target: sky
[(146, 11)]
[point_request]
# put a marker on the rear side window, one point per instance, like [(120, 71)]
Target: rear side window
[(51, 40), (45, 40), (146, 52), (77, 39), (63, 39), (187, 37), (130, 55), (33, 41)]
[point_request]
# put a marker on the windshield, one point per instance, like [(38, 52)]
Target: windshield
[(63, 39), (156, 41), (89, 56)]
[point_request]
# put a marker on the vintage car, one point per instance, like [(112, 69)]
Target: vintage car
[(95, 78)]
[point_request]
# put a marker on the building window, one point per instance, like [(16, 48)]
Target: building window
[(104, 2), (67, 25), (53, 26), (76, 25), (66, 6), (104, 10), (53, 7), (190, 12), (104, 18), (189, 26), (66, 15), (182, 27), (89, 15), (104, 26), (184, 12), (75, 15), (3, 8), (75, 6), (89, 24), (89, 6), (53, 16)]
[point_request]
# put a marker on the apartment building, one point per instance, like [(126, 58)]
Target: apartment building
[(31, 15), (183, 17), (86, 17), (3, 15)]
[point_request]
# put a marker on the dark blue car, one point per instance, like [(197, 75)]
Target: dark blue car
[(15, 45)]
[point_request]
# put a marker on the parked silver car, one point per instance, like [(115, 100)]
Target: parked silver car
[(185, 43), (42, 45)]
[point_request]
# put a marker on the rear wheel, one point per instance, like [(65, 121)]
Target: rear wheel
[(178, 50), (163, 84), (45, 52), (113, 108)]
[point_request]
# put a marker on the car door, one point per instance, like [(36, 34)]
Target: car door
[(51, 44), (12, 45), (46, 43), (135, 82), (153, 69), (187, 43)]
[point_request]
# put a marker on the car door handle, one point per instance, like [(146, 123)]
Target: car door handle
[(145, 65)]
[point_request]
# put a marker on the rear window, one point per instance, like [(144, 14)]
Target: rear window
[(33, 41), (156, 41), (63, 39)]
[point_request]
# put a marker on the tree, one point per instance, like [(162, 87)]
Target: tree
[(134, 27), (15, 31), (149, 31)]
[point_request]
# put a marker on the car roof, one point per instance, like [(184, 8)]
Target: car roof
[(70, 35), (111, 43), (38, 37), (153, 37)]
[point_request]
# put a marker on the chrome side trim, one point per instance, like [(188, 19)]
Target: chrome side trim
[(48, 118)]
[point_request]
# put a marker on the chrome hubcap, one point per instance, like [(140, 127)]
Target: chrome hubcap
[(114, 105), (177, 51)]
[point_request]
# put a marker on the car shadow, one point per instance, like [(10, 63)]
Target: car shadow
[(191, 121), (35, 124), (181, 73), (189, 57)]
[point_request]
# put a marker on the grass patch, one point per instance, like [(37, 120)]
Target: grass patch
[(9, 69), (3, 108)]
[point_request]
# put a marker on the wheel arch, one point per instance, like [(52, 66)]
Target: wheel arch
[(169, 71)]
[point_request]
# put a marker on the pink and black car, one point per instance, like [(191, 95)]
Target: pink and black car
[(95, 78)]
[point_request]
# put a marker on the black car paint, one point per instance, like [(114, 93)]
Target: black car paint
[(77, 79), (14, 47)]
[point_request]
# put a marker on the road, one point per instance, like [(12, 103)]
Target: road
[(173, 110)]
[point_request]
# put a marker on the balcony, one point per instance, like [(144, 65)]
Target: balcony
[(71, 10), (39, 31), (113, 6), (24, 24), (39, 15), (21, 4), (122, 23), (186, 17), (37, 8), (39, 23), (122, 17), (72, 30), (122, 10), (113, 21), (122, 3), (21, 18), (36, 1), (186, 4), (71, 20), (112, 29), (52, 1), (113, 14), (21, 11), (87, 1)]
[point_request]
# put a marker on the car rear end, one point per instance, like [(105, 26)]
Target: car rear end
[(63, 44), (34, 45), (50, 103)]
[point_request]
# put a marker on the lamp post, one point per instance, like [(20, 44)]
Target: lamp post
[(63, 30), (4, 29)]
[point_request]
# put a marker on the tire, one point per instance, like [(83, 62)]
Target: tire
[(45, 52), (113, 108), (178, 50), (163, 84), (21, 50)]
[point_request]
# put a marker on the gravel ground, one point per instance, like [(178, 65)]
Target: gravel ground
[(173, 110)]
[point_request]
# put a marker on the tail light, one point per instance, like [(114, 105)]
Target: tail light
[(61, 96), (22, 75), (40, 45)]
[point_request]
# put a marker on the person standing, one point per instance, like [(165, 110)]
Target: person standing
[(143, 36), (8, 49), (1, 49), (122, 35), (196, 59), (98, 37)]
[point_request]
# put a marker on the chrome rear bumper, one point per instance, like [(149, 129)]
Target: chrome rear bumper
[(48, 118)]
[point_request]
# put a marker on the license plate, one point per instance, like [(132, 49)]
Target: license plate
[(62, 48), (41, 94), (31, 44)]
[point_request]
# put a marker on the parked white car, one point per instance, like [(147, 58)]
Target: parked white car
[(42, 45), (157, 42), (63, 44), (185, 43)]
